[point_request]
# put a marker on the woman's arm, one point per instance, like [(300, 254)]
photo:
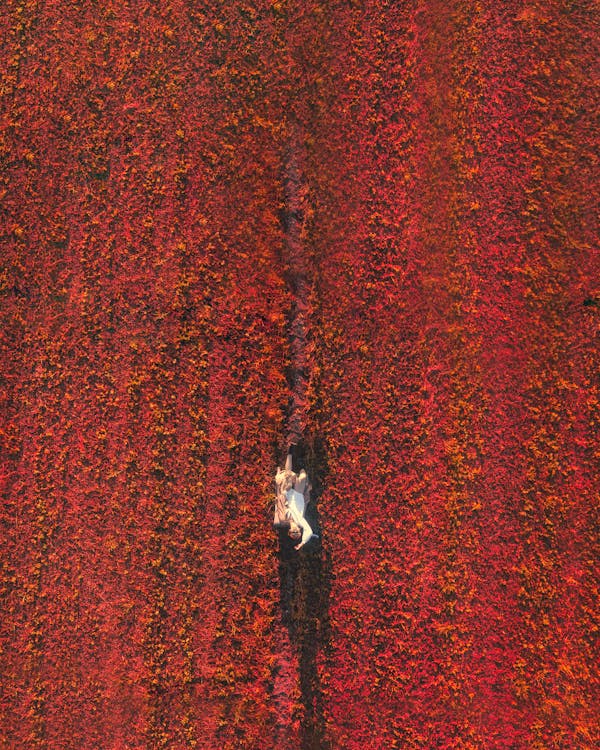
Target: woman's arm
[(307, 533)]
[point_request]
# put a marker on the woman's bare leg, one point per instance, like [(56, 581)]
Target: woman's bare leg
[(301, 481)]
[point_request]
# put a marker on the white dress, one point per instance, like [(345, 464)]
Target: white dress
[(295, 504)]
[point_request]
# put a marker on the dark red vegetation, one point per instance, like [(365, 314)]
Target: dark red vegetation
[(373, 226)]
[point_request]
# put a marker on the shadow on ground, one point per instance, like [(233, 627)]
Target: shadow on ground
[(305, 582)]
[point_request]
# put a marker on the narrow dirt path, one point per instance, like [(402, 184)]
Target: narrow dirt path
[(298, 278), (303, 582)]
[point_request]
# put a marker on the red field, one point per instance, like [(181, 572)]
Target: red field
[(370, 227)]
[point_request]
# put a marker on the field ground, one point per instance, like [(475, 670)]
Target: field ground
[(369, 226)]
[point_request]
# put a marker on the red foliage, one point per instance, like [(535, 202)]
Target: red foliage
[(443, 155)]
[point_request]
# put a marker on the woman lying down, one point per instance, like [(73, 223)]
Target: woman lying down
[(293, 495)]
